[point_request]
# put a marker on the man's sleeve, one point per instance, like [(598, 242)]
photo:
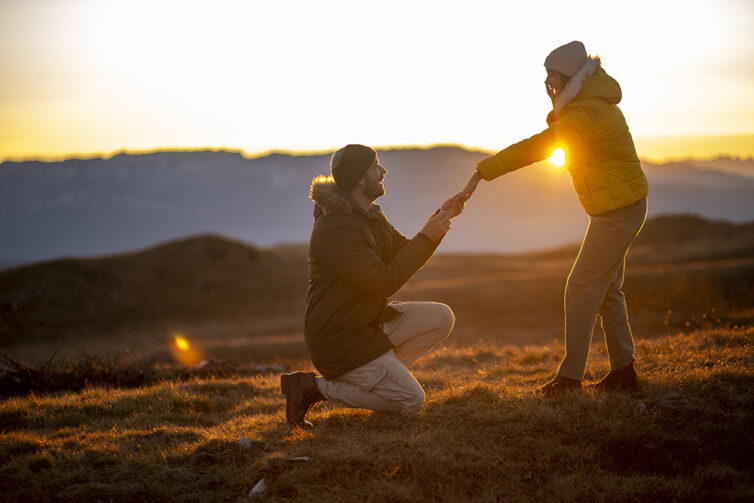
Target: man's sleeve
[(345, 250), (539, 147), (399, 240)]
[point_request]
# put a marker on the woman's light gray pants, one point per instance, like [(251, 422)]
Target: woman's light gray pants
[(594, 289)]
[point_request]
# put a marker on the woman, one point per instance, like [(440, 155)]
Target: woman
[(612, 188)]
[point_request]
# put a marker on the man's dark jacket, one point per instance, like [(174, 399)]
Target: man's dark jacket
[(357, 260)]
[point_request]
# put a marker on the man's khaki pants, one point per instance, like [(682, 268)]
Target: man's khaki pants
[(385, 384), (594, 288)]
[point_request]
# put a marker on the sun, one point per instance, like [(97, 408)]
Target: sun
[(558, 157)]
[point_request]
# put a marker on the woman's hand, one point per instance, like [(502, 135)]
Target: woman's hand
[(471, 186)]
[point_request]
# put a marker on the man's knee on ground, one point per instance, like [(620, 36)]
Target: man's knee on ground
[(413, 403), (409, 399)]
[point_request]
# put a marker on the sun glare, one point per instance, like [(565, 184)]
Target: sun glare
[(181, 343), (558, 157)]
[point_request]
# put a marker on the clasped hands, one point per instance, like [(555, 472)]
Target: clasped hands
[(439, 223), (454, 206)]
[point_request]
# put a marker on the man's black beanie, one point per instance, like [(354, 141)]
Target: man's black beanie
[(349, 164)]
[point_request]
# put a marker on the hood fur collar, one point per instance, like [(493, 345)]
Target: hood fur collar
[(328, 197), (573, 88)]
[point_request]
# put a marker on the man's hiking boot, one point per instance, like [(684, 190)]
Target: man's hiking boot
[(300, 393), (624, 378), (558, 386)]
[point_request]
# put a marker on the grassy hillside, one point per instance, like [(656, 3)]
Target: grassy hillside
[(144, 297), (480, 436), (241, 302)]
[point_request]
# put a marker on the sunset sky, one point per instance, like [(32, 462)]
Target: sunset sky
[(91, 77)]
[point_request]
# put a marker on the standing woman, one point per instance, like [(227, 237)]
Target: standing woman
[(600, 156)]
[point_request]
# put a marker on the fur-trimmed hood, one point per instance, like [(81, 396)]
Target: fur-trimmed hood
[(328, 198), (591, 81)]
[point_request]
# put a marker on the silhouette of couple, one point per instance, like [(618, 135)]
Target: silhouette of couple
[(361, 342)]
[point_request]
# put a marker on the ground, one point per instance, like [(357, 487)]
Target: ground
[(481, 435)]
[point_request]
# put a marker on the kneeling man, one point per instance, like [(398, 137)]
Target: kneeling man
[(358, 341)]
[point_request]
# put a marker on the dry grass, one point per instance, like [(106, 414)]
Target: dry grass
[(59, 374), (481, 435)]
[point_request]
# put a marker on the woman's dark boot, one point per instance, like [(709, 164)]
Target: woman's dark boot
[(559, 385), (624, 378)]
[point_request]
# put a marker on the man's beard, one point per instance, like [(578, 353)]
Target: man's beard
[(373, 190)]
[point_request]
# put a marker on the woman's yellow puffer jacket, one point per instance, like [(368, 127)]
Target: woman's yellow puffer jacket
[(600, 153)]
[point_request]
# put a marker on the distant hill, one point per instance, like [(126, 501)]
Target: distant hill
[(181, 282), (689, 237), (733, 165), (81, 208)]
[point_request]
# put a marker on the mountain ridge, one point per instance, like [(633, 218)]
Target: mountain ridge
[(79, 207)]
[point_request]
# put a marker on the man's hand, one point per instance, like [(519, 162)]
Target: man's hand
[(471, 186), (437, 226), (454, 206)]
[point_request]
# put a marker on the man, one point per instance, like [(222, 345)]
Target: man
[(358, 341), (611, 186)]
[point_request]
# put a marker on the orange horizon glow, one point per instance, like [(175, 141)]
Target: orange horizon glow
[(651, 149), (78, 82)]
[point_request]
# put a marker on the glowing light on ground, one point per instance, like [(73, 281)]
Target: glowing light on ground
[(183, 352), (181, 343), (558, 157)]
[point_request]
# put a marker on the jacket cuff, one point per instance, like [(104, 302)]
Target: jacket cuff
[(432, 245), (490, 168)]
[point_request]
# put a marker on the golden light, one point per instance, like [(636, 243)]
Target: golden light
[(79, 81), (181, 343), (558, 157), (323, 179), (184, 352)]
